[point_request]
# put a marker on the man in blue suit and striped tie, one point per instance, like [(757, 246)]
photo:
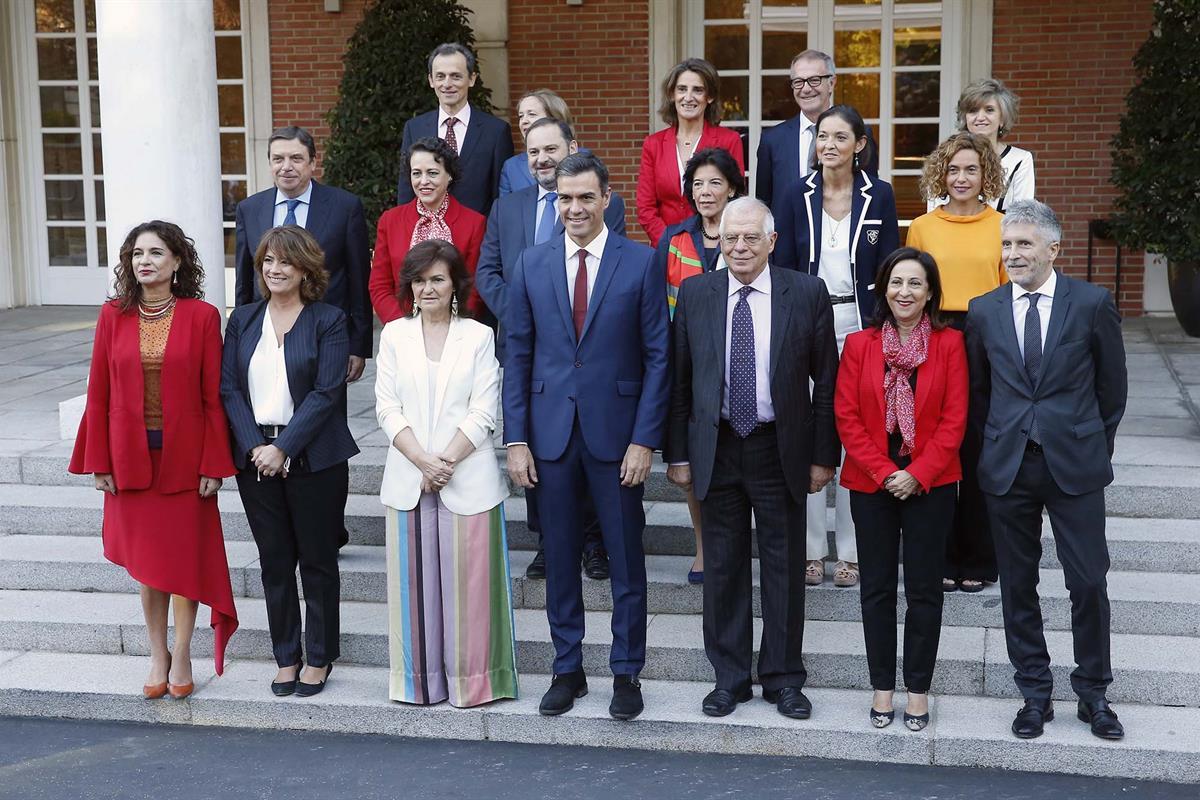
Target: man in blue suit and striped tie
[(585, 403)]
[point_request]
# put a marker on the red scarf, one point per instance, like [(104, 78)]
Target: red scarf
[(431, 224), (901, 360)]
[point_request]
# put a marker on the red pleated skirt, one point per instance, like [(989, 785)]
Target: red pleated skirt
[(173, 543)]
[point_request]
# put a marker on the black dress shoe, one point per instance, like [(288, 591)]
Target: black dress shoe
[(560, 697), (309, 689), (286, 688), (1032, 718), (722, 702), (1102, 718), (627, 698), (595, 564), (537, 568), (790, 702)]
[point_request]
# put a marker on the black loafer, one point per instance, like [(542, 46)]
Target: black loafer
[(789, 701), (1102, 718), (627, 698), (722, 702), (560, 697), (595, 564), (1031, 719), (309, 689), (537, 568)]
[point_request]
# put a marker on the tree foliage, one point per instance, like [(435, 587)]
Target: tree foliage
[(1156, 153), (385, 84)]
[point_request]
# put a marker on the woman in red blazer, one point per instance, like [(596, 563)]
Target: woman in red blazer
[(433, 214), (691, 106), (901, 408), (155, 437)]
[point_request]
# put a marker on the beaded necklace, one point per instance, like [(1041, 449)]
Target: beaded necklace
[(155, 309)]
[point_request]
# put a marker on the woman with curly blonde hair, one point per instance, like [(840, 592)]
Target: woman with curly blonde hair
[(963, 236)]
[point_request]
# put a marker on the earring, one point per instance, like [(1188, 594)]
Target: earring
[(856, 160), (175, 278), (454, 305)]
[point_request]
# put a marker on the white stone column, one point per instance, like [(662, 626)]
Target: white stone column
[(158, 105)]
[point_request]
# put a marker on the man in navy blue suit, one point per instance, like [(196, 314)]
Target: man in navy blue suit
[(785, 151), (483, 142), (518, 221), (333, 216), (585, 404)]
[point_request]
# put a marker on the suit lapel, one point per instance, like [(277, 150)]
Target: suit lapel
[(450, 353), (860, 201), (318, 212), (875, 371), (1008, 331), (128, 341), (923, 385), (558, 280), (780, 315), (813, 203), (717, 327), (1061, 305), (610, 259), (295, 353), (473, 132), (528, 212), (791, 156)]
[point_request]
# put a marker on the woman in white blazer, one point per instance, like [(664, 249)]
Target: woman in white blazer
[(437, 389)]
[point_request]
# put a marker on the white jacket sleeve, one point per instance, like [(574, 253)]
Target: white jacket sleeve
[(389, 409)]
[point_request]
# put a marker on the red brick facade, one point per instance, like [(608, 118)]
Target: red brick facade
[(1069, 63)]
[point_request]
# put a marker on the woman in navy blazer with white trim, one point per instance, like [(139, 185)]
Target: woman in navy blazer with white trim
[(839, 224), (283, 380)]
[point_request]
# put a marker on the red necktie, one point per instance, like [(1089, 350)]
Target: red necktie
[(579, 306), (451, 139)]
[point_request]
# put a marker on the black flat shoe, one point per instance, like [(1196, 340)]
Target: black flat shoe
[(949, 585), (970, 585), (1031, 719), (789, 701), (564, 689), (916, 722), (537, 568), (595, 564), (1102, 718), (286, 688), (627, 698), (309, 689), (722, 702), (881, 719)]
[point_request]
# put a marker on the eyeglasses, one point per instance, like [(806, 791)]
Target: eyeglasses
[(813, 82), (751, 239)]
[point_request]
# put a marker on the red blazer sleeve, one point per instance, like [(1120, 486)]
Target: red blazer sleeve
[(91, 454), (947, 417), (391, 243), (216, 460), (649, 214), (860, 444), (468, 237)]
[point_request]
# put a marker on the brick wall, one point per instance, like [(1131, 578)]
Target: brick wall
[(596, 56), (1070, 63)]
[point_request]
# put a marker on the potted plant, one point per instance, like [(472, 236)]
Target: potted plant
[(1156, 159)]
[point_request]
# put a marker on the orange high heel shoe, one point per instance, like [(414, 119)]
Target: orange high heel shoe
[(180, 690), (153, 691)]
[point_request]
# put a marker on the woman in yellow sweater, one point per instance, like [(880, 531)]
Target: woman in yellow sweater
[(963, 236)]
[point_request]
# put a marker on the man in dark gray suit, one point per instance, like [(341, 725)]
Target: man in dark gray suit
[(1048, 388), (747, 436)]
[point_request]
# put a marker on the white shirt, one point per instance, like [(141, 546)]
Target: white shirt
[(760, 314), (460, 128), (808, 129), (834, 267), (594, 249), (301, 210), (270, 395), (1045, 304)]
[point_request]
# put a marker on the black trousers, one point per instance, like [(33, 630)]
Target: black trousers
[(297, 520), (882, 524), (592, 538), (748, 477), (1078, 525), (970, 551)]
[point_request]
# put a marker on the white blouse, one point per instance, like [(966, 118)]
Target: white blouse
[(270, 395), (834, 267)]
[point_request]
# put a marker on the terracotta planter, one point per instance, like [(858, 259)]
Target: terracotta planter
[(1183, 280)]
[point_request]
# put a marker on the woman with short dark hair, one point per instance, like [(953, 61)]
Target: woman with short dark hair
[(901, 408), (437, 390), (154, 437), (283, 380), (691, 107), (433, 167)]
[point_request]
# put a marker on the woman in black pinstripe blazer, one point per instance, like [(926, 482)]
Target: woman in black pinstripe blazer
[(283, 377)]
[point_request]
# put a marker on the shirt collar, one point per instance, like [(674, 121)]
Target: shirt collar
[(594, 248), (543, 191), (1045, 290), (305, 198), (760, 284), (463, 116)]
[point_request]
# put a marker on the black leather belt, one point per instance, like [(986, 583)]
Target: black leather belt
[(838, 299), (272, 431), (1032, 447)]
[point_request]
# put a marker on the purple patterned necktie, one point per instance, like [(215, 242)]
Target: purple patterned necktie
[(743, 393)]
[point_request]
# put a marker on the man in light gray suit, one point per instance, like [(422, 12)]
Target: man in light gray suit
[(1048, 388)]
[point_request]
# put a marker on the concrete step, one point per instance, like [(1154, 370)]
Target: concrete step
[(1147, 545), (1161, 743), (1157, 670), (1142, 602), (1165, 491)]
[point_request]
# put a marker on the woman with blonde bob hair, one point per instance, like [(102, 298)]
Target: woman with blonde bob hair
[(987, 108), (963, 236), (283, 378), (534, 105)]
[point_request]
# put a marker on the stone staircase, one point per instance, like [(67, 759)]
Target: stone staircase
[(72, 639)]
